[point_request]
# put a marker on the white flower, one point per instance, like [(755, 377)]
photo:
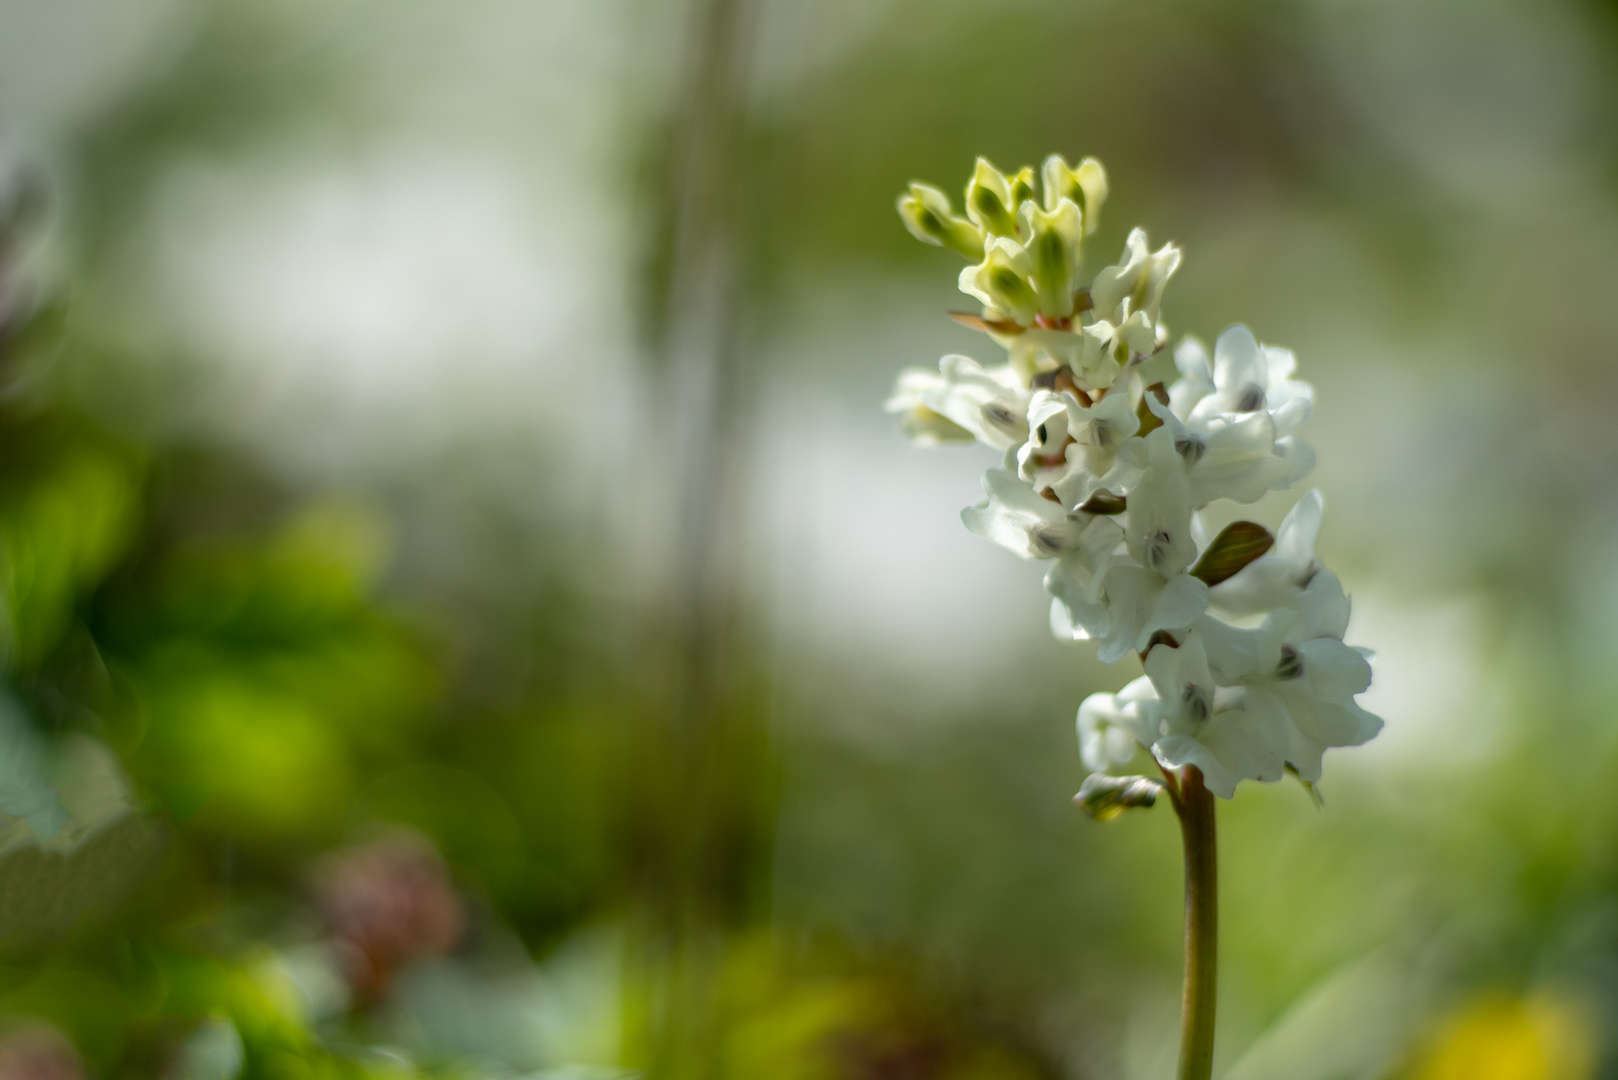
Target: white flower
[(1277, 578), (1178, 712), (1120, 605), (1234, 459), (1094, 354), (1136, 284), (921, 424), (1027, 524), (1073, 446), (1245, 378), (1159, 530), (1104, 482), (988, 404), (1295, 668), (1112, 727), (1196, 376), (1107, 343), (1197, 723)]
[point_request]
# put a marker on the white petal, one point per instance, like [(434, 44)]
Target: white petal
[(1062, 625), (1229, 747), (1184, 686), (1159, 531), (1295, 540), (1078, 578), (1297, 748), (1238, 462), (1177, 751), (986, 401), (1022, 521), (1140, 603), (1298, 458), (1196, 376), (1323, 609), (1335, 672), (1111, 725), (1290, 413), (1239, 362), (1114, 283)]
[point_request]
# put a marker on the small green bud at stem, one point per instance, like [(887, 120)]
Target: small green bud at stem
[(1104, 797)]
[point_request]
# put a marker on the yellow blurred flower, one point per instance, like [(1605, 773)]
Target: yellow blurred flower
[(1539, 1037)]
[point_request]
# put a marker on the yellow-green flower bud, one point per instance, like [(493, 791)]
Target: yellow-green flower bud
[(930, 218), (1001, 281), (1086, 186), (1053, 239), (992, 198)]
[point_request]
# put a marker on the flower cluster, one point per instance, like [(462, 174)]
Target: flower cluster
[(1105, 477)]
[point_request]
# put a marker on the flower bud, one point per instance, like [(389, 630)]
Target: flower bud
[(1001, 281), (1085, 186), (992, 198), (1104, 797), (1238, 544), (1053, 238), (930, 218)]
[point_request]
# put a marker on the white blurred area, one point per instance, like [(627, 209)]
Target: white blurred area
[(355, 309)]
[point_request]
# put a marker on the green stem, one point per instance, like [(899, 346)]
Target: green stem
[(1196, 809)]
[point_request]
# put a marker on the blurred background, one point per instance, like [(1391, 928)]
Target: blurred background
[(463, 611)]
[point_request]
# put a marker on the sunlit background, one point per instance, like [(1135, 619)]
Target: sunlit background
[(461, 586)]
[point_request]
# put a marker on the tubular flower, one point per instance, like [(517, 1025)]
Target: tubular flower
[(1085, 187), (1004, 282), (1072, 447), (1104, 478), (993, 198), (962, 402)]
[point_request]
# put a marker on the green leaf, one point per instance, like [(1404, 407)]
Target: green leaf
[(1237, 545)]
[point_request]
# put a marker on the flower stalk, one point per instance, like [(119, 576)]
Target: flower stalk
[(1195, 805)]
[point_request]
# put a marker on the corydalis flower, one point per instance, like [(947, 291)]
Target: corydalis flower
[(1298, 675), (1234, 459), (1003, 282), (961, 402), (1135, 285), (1244, 378), (1119, 604), (1073, 447), (1183, 717), (1104, 475), (1031, 526)]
